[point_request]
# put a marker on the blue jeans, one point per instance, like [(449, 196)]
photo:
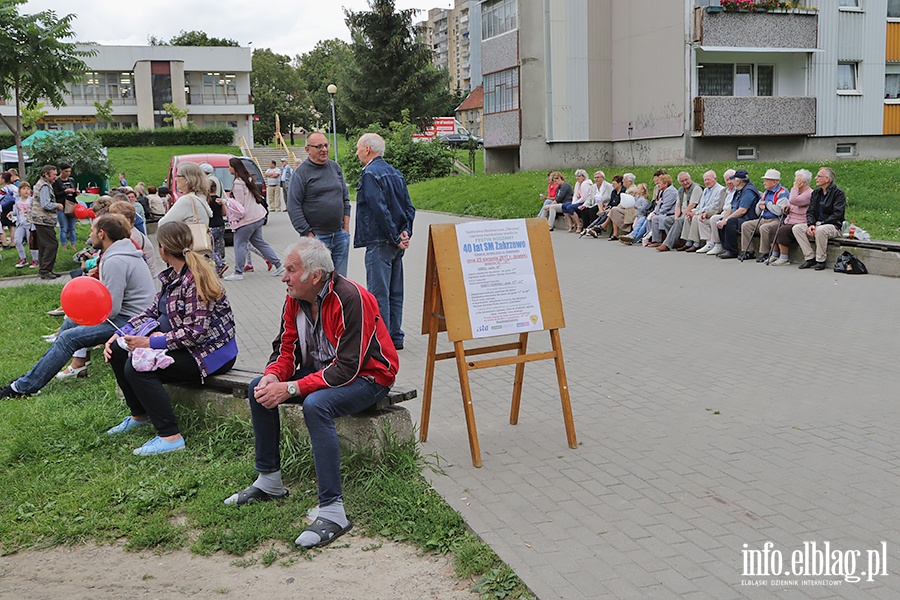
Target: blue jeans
[(320, 409), (251, 234), (639, 229), (71, 337), (66, 228), (384, 279), (339, 244)]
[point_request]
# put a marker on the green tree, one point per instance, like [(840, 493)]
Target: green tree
[(31, 114), (192, 38), (177, 116), (277, 89), (37, 62), (81, 149), (319, 68), (104, 111), (390, 69)]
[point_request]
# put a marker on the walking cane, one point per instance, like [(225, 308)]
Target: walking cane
[(774, 238), (743, 254)]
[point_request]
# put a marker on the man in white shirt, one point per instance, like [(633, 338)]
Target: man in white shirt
[(273, 188)]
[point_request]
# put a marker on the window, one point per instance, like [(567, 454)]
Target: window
[(846, 76), (849, 3), (727, 79), (501, 91), (498, 16), (747, 153), (893, 10), (892, 86), (845, 150)]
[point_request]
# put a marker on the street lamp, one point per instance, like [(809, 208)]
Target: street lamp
[(332, 89)]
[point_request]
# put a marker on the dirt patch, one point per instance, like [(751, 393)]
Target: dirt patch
[(355, 568)]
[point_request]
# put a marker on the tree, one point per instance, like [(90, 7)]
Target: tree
[(177, 116), (31, 114), (320, 67), (277, 89), (390, 69), (104, 111), (81, 149), (36, 61), (192, 38)]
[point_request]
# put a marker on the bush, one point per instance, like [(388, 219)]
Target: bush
[(7, 139), (417, 161), (166, 136), (81, 149)]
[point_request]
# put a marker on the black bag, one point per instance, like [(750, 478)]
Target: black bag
[(847, 263)]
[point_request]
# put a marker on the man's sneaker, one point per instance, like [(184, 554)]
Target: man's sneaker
[(159, 446), (33, 265), (21, 263), (716, 250), (127, 424), (234, 277), (705, 248), (248, 268), (779, 262), (278, 272), (7, 391)]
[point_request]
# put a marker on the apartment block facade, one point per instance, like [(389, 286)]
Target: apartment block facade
[(569, 83), (212, 83), (449, 33)]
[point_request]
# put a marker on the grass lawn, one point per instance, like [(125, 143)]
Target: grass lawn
[(65, 481), (872, 187), (150, 163), (64, 262)]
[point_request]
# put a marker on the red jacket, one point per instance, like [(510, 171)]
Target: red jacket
[(353, 325)]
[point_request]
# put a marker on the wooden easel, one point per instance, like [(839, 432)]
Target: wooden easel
[(446, 309)]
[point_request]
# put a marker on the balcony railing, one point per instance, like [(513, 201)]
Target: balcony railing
[(214, 99), (71, 100), (796, 28), (721, 116)]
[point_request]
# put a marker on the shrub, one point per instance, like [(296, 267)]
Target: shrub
[(81, 149), (166, 136), (417, 161)]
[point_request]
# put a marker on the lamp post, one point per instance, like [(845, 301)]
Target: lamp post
[(332, 89)]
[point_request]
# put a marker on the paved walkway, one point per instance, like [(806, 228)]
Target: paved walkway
[(717, 404)]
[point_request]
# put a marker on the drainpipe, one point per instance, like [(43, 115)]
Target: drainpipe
[(548, 71)]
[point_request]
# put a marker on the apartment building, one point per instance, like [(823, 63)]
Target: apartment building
[(212, 83), (448, 33), (569, 83)]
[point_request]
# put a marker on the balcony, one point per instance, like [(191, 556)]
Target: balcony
[(796, 30), (218, 99), (739, 116)]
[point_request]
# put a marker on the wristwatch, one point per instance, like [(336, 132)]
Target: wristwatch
[(292, 388)]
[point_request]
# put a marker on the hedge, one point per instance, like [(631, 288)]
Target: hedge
[(166, 136)]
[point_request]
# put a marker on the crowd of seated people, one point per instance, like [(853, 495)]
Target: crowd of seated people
[(712, 219)]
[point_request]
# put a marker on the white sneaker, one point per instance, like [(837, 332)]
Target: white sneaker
[(716, 250), (278, 272), (705, 248), (234, 277), (780, 262)]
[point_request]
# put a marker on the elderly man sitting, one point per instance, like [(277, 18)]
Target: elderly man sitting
[(688, 198), (743, 208), (709, 229), (770, 210), (824, 219), (665, 208), (711, 202)]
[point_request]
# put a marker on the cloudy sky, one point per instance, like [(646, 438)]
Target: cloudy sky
[(290, 27)]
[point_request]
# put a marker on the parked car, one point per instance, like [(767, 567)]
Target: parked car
[(459, 140), (219, 164)]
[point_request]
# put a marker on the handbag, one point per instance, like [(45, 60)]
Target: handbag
[(69, 207), (200, 232), (848, 263)]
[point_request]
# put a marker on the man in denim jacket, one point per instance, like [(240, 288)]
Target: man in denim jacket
[(384, 221)]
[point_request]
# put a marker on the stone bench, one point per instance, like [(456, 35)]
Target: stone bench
[(880, 257), (226, 395)]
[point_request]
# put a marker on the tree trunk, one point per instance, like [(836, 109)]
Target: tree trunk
[(18, 132)]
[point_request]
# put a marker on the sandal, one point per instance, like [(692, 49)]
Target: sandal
[(328, 531), (253, 494), (69, 372)]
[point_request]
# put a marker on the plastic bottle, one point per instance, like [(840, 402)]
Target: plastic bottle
[(851, 234), (845, 228)]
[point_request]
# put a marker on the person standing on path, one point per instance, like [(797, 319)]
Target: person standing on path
[(44, 209), (286, 173), (384, 222), (273, 187), (318, 202)]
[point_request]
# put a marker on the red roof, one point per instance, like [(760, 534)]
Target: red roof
[(475, 99)]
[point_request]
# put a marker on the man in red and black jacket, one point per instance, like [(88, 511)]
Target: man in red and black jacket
[(334, 355)]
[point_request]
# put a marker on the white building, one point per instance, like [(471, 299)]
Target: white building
[(211, 82), (575, 82)]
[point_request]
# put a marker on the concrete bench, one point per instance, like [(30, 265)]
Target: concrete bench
[(880, 257), (226, 395)]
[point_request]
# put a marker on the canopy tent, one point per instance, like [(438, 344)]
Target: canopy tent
[(11, 155)]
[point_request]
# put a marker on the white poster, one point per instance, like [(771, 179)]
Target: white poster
[(499, 277)]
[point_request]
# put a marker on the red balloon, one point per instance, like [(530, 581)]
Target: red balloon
[(86, 301), (82, 211)]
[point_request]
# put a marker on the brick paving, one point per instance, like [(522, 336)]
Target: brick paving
[(716, 404)]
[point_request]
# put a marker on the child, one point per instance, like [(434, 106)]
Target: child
[(23, 226), (217, 228)]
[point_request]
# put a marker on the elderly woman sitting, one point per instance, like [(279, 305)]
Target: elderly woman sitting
[(186, 335), (583, 196), (564, 193), (801, 194)]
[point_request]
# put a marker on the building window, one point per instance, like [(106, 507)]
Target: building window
[(497, 17), (893, 10), (848, 3), (501, 91), (892, 86), (845, 150), (727, 79), (847, 77)]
